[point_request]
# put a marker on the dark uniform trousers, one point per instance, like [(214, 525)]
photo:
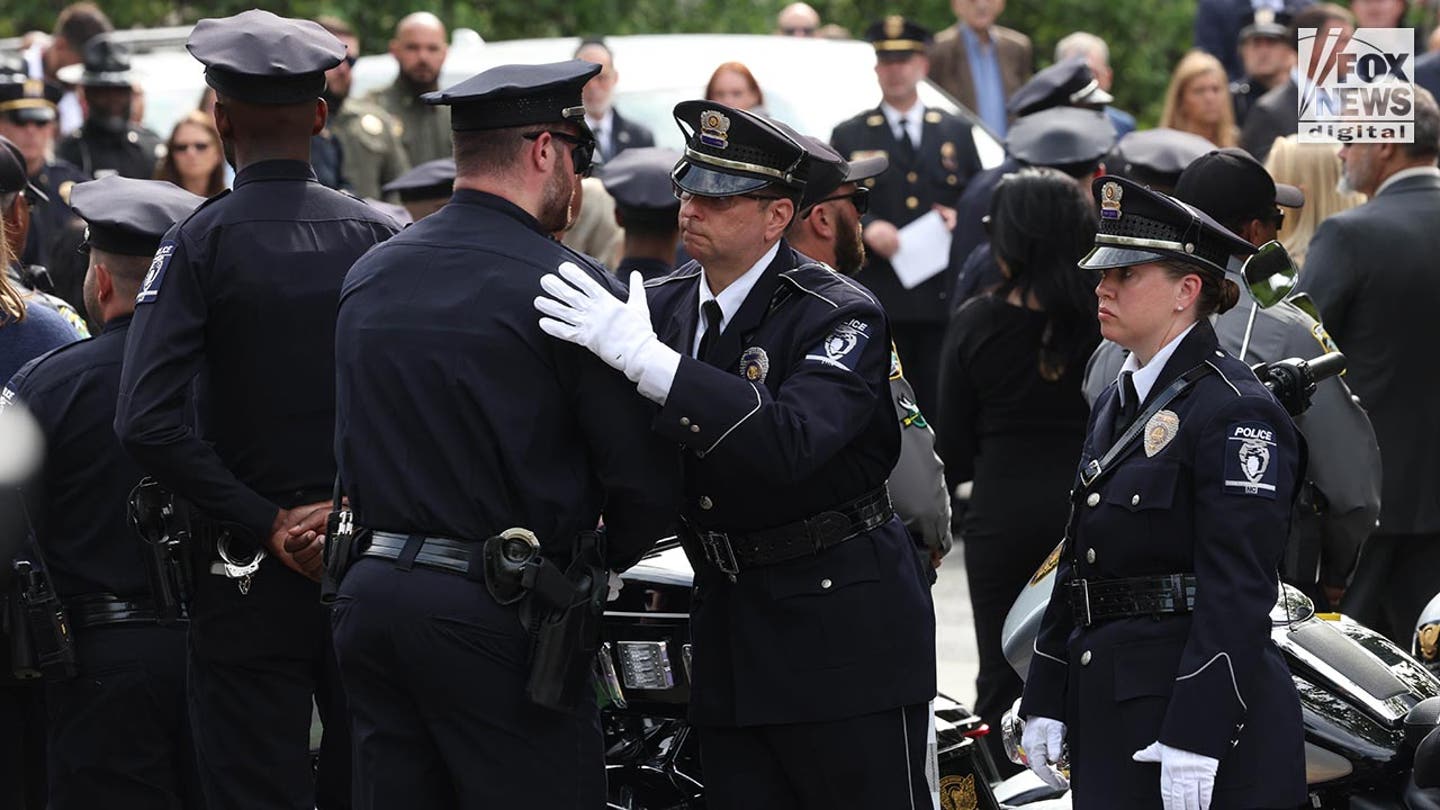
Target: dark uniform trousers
[(917, 178), (811, 676), (1213, 500)]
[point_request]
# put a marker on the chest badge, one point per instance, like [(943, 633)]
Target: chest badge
[(1161, 428), (754, 364)]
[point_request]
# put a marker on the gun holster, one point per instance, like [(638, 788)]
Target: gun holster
[(42, 643), (163, 523)]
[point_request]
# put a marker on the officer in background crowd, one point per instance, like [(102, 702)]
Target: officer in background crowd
[(1339, 499), (525, 436), (812, 624), (419, 48), (424, 189), (1156, 157), (17, 197), (827, 230), (119, 733), (614, 133), (1267, 51), (108, 142), (372, 153), (646, 209), (27, 117), (246, 300), (932, 158)]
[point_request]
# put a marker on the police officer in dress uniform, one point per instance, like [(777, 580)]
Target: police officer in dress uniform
[(27, 118), (1154, 659), (424, 189), (243, 293), (812, 624), (646, 208), (828, 231), (108, 143), (1339, 497), (119, 734), (522, 432), (932, 158)]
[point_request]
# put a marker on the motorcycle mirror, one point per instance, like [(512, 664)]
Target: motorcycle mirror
[(1270, 274)]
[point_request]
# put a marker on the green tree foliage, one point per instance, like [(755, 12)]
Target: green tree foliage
[(1146, 37)]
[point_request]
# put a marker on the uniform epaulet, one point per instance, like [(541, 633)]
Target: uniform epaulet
[(685, 272), (820, 281)]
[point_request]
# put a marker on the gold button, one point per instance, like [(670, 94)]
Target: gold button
[(1093, 500), (1090, 555), (1085, 659), (870, 182), (912, 202), (912, 177), (705, 502), (1135, 499), (952, 179), (694, 428), (684, 421), (826, 583)]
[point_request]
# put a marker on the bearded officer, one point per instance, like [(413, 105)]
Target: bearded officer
[(243, 294), (813, 629)]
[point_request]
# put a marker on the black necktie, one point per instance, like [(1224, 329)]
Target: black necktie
[(907, 146), (713, 314), (1131, 405)]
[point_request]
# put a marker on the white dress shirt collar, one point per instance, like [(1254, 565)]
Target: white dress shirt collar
[(1144, 377), (914, 119), (732, 297)]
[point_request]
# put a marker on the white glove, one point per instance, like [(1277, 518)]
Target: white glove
[(1187, 779), (1043, 741), (618, 332)]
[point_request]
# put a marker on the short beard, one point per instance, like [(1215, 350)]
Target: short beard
[(555, 214), (849, 248)]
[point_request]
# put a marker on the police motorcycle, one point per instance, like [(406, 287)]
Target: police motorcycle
[(1368, 707)]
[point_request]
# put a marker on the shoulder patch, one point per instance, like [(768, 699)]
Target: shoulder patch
[(911, 416), (1250, 451), (7, 398), (155, 276), (844, 345), (897, 371), (1323, 338)]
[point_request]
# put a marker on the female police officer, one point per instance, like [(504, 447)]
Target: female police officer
[(1154, 657)]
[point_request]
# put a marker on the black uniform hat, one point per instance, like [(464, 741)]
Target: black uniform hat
[(898, 36), (13, 176), (107, 64), (129, 216), (516, 95), (1232, 186), (1139, 225), (855, 172), (1270, 24), (730, 151), (431, 180), (1070, 139), (1067, 83), (25, 99), (1156, 157), (260, 58), (639, 180)]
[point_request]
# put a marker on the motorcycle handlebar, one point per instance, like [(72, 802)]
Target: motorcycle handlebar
[(1327, 365)]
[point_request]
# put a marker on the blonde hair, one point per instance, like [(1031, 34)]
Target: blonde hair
[(1192, 66), (12, 306), (1315, 168)]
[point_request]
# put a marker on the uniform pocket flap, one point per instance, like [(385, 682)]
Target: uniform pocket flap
[(834, 569), (1138, 487), (1145, 670)]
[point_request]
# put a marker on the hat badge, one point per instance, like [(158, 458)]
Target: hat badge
[(34, 88), (894, 26), (714, 129), (1265, 16), (1110, 195)]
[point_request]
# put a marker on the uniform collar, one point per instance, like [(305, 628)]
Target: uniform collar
[(484, 199), (734, 295), (1145, 377), (274, 170), (116, 324)]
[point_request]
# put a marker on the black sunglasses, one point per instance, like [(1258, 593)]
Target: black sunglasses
[(583, 153), (1278, 218), (351, 60), (860, 198)]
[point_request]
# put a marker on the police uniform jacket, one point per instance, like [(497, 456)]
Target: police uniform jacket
[(786, 416), (370, 142), (243, 292), (98, 152), (1214, 500), (77, 501), (1344, 459), (456, 416), (944, 163), (48, 220)]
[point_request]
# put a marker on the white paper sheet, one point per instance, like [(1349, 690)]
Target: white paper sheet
[(924, 250)]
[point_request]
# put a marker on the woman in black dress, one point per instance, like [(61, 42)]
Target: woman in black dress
[(1011, 417)]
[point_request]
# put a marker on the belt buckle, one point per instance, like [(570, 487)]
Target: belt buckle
[(714, 543), (1091, 472)]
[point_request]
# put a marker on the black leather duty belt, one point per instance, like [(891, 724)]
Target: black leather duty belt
[(438, 553), (1099, 600), (103, 609), (733, 552)]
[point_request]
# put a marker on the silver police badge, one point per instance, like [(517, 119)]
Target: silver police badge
[(754, 364), (714, 129), (1161, 428), (1110, 195)]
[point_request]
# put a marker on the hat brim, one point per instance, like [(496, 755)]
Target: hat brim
[(706, 182), (43, 114), (1095, 98), (866, 168), (1268, 31), (1104, 257), (1289, 196)]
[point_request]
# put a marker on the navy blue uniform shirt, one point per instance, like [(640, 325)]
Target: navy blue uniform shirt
[(244, 292), (456, 416), (77, 501)]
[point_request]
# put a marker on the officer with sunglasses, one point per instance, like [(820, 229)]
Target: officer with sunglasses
[(28, 114), (812, 625)]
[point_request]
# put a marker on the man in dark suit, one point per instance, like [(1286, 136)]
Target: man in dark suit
[(1427, 72), (980, 63), (932, 158), (1267, 50), (1371, 272), (613, 132), (1277, 113)]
